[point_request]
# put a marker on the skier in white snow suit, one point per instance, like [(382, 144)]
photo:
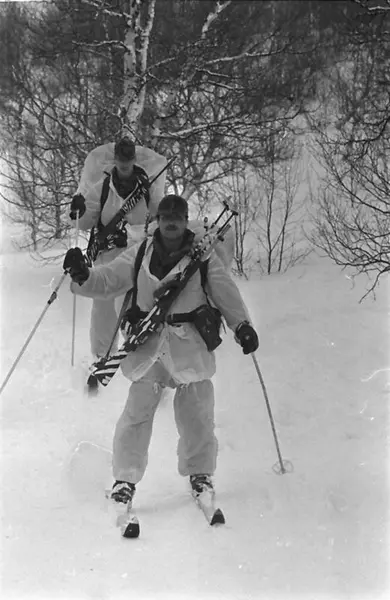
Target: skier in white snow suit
[(123, 179), (176, 356)]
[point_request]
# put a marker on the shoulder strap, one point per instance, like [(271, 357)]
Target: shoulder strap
[(104, 196), (143, 178), (204, 265), (137, 266)]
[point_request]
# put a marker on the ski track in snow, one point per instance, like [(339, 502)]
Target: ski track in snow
[(321, 531)]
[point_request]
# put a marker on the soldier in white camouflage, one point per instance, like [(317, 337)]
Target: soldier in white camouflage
[(175, 356)]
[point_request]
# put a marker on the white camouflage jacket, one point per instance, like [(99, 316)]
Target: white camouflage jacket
[(180, 348)]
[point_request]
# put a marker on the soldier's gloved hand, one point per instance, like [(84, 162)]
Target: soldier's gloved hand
[(76, 266), (247, 337), (120, 238), (77, 204)]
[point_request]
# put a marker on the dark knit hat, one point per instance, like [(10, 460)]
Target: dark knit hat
[(125, 149), (173, 204)]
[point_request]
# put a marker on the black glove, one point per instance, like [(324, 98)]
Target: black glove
[(76, 266), (130, 319), (247, 337), (77, 204), (120, 238)]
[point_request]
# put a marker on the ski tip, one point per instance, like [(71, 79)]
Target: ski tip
[(218, 518), (92, 385), (131, 529)]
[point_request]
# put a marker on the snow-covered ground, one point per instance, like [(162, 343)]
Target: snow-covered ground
[(321, 531)]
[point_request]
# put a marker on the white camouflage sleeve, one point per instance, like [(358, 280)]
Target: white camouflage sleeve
[(92, 207), (225, 293), (111, 280)]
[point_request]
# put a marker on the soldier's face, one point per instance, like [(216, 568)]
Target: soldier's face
[(172, 225), (124, 167)]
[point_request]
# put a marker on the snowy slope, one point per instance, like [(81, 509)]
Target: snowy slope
[(321, 531)]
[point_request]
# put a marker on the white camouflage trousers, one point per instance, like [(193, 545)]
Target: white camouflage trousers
[(194, 416)]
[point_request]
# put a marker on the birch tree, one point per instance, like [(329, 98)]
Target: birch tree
[(133, 42)]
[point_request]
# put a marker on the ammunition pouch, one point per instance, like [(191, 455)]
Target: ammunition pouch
[(206, 319)]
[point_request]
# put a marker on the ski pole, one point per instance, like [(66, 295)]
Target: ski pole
[(283, 466), (74, 296), (49, 302)]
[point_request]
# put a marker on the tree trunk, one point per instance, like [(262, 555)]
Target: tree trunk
[(138, 28)]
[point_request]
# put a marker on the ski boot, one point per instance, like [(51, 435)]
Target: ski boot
[(201, 483), (122, 495), (203, 493)]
